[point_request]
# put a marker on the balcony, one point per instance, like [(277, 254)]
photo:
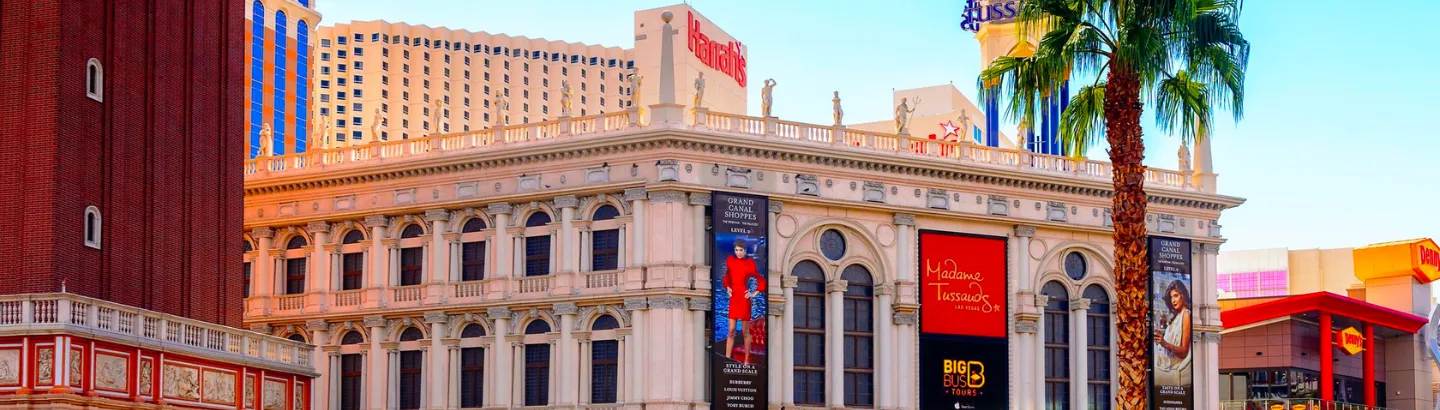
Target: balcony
[(828, 137), (536, 284), (348, 298), (41, 313), (413, 293), (290, 302)]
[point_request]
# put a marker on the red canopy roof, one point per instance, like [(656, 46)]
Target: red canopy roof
[(1324, 302)]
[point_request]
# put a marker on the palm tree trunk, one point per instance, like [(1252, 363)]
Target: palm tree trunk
[(1127, 152)]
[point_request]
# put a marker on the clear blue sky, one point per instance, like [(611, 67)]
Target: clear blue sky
[(1338, 146)]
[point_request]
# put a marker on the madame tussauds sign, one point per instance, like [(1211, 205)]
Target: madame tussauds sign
[(963, 285), (728, 58)]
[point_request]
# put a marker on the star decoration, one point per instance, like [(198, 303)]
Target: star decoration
[(952, 132)]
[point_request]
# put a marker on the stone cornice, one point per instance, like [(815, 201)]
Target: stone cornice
[(707, 143)]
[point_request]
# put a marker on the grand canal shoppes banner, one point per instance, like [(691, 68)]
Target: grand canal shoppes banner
[(964, 352), (738, 348)]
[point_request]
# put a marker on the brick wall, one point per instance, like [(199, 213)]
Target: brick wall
[(160, 157)]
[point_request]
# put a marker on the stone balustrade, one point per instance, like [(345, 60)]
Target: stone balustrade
[(39, 313), (833, 137)]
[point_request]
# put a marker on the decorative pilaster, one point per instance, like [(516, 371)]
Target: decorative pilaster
[(503, 355), (637, 197), (635, 363), (569, 242), (568, 354), (835, 342)]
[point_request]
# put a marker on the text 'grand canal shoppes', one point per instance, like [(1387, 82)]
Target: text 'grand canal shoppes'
[(677, 253)]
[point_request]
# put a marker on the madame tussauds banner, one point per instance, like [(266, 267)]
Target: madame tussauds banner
[(738, 351), (964, 352), (1172, 385)]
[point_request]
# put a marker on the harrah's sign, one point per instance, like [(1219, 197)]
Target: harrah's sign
[(728, 58)]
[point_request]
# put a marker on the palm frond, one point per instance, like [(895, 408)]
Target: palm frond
[(1183, 106), (1082, 124)]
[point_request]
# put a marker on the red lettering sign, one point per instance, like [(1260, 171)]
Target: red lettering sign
[(728, 58), (963, 285), (1429, 257)]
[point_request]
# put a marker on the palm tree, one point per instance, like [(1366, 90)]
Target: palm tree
[(1187, 58)]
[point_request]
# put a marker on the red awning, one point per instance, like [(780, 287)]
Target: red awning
[(1326, 302)]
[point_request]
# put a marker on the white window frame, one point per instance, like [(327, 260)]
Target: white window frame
[(99, 225), (98, 94)]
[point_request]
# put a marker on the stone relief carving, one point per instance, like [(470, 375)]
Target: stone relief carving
[(937, 199), (274, 395), (806, 184), (111, 371), (249, 392), (299, 398), (9, 367), (219, 387), (998, 205), (147, 368), (77, 367), (669, 169), (874, 192), (1055, 211), (180, 382)]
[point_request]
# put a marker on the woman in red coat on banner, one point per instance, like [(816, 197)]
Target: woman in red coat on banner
[(738, 271)]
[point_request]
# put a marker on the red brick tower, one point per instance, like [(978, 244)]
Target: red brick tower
[(132, 110)]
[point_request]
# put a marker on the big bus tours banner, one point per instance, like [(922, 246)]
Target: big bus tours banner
[(964, 351), (737, 281), (1172, 384)]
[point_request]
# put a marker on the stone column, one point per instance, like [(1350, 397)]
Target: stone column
[(569, 243), (1079, 362), (835, 343), (1209, 368), (701, 272), (1037, 367), (905, 322), (378, 370), (320, 337), (319, 280), (392, 356), (635, 278), (885, 346), (452, 382), (905, 241), (787, 350), (329, 398), (699, 372), (452, 269), (438, 267), (585, 363), (378, 266), (261, 277), (438, 370), (501, 243), (502, 355), (1025, 329), (635, 364), (663, 330), (776, 317), (568, 353), (1026, 319)]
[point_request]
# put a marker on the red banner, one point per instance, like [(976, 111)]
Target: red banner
[(963, 285)]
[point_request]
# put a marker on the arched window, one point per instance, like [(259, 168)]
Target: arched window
[(95, 80), (295, 275), (605, 243), (604, 363), (537, 366), (809, 334), (93, 226), (412, 231), (412, 259), (473, 330), (537, 248), (411, 371), (302, 84), (257, 72), (411, 334), (296, 242), (859, 335), (297, 337), (352, 338), (605, 322), (354, 236), (352, 264), (246, 247), (1097, 348), (472, 253), (352, 373), (472, 369), (473, 225), (1057, 346), (605, 213), (280, 68)]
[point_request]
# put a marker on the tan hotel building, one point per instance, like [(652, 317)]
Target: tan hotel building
[(562, 262)]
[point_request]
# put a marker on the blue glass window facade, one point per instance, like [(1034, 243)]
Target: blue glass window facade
[(302, 85), (257, 71), (278, 125)]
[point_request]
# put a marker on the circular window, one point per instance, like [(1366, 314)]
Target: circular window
[(1075, 265), (832, 244)]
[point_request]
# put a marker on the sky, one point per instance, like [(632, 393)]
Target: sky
[(1338, 146)]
